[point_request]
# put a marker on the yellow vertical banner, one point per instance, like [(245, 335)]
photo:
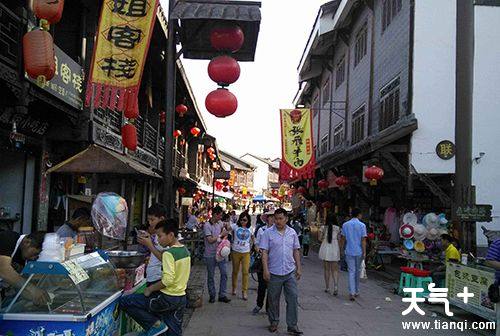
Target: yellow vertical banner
[(297, 143), (120, 50)]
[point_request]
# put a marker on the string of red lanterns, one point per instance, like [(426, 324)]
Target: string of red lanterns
[(224, 69)]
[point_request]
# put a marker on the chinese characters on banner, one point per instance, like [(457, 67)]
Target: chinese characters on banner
[(124, 33), (297, 145)]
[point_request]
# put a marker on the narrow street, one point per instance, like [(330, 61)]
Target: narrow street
[(319, 313)]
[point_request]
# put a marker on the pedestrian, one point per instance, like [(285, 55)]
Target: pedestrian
[(353, 239), (156, 213), (281, 262), (450, 254), (311, 213), (161, 308), (268, 222), (329, 252), (242, 241), (306, 240), (214, 232)]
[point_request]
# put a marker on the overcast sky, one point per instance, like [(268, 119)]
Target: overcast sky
[(265, 85)]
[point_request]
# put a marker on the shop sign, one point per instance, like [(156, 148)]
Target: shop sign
[(477, 281), (24, 122), (67, 83), (222, 175), (474, 213), (445, 150)]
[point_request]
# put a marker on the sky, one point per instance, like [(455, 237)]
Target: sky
[(266, 85)]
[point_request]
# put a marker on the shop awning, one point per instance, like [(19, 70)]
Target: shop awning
[(209, 189), (99, 160)]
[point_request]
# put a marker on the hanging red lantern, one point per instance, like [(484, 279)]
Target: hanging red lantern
[(374, 174), (218, 185), (49, 10), (221, 103), (326, 205), (302, 191), (177, 133), (181, 110), (195, 131), (38, 54), (129, 137), (323, 184), (342, 181), (132, 110), (181, 190), (227, 38), (225, 189), (210, 150), (163, 117), (224, 70)]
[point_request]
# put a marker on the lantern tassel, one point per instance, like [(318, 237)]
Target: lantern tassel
[(111, 97)]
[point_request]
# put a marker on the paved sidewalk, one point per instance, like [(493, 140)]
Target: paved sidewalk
[(319, 313)]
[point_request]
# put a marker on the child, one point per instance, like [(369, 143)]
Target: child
[(156, 213), (306, 240), (160, 309)]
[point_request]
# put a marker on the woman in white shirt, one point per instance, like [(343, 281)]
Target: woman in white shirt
[(242, 241), (329, 252)]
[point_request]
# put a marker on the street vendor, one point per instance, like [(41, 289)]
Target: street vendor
[(15, 251), (450, 254), (80, 218)]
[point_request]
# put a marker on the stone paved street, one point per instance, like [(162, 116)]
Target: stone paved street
[(319, 313)]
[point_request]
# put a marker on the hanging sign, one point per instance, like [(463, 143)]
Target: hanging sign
[(297, 143), (124, 33), (445, 150), (474, 213)]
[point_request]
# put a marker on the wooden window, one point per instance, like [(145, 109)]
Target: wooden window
[(358, 125), (326, 92), (340, 73), (390, 9), (338, 135), (389, 105), (361, 45), (324, 145)]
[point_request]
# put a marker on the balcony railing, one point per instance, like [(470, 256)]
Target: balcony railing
[(11, 29)]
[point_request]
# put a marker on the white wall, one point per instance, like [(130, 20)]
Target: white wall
[(261, 173), (486, 118), (433, 83)]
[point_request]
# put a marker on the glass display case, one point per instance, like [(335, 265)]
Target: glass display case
[(83, 295)]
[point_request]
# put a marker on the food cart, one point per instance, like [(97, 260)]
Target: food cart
[(477, 278), (84, 299)]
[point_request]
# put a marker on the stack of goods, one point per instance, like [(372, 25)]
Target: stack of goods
[(51, 249), (423, 237)]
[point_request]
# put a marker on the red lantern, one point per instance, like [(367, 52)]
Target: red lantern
[(302, 191), (195, 131), (49, 10), (218, 185), (326, 205), (181, 109), (323, 184), (210, 150), (224, 70), (342, 181), (129, 137), (371, 236), (374, 174), (227, 38), (132, 110), (38, 52), (177, 133), (225, 189), (181, 190), (221, 103), (163, 117)]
